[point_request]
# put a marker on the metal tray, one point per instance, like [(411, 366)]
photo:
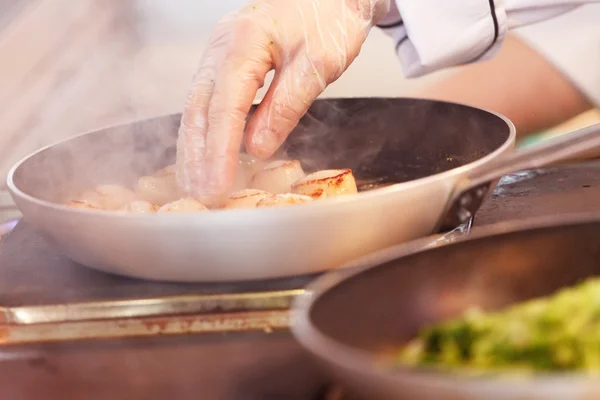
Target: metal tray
[(46, 297)]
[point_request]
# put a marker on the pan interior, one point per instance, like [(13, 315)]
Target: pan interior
[(383, 307), (383, 140)]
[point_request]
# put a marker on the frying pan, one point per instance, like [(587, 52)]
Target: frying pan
[(441, 160), (422, 147), (349, 319), (432, 152)]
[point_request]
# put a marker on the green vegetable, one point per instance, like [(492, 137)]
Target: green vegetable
[(556, 333)]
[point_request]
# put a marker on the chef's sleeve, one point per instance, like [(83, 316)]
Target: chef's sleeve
[(435, 34)]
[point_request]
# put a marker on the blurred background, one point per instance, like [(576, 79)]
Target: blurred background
[(69, 66)]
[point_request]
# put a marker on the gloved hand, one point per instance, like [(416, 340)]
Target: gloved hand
[(309, 43)]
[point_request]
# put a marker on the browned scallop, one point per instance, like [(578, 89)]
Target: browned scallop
[(168, 171), (108, 197), (83, 205), (286, 199), (159, 190), (277, 177), (248, 166), (186, 204), (140, 206), (326, 183), (251, 164), (247, 198)]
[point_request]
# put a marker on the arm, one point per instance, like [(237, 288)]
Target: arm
[(310, 44), (518, 83)]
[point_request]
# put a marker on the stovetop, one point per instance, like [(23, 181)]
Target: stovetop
[(33, 272), (253, 364)]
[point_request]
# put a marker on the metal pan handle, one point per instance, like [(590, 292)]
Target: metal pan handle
[(470, 192)]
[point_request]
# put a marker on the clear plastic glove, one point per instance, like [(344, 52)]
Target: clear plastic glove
[(309, 43)]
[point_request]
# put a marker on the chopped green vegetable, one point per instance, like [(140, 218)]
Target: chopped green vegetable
[(556, 333)]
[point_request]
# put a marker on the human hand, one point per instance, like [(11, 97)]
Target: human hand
[(309, 44)]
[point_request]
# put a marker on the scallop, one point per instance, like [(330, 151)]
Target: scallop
[(159, 190), (326, 183), (247, 198), (140, 206), (108, 197), (82, 205), (186, 204), (286, 199), (168, 171), (248, 166), (278, 176)]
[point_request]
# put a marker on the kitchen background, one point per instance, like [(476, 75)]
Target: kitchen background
[(67, 67)]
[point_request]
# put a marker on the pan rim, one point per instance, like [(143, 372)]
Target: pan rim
[(318, 208), (363, 362)]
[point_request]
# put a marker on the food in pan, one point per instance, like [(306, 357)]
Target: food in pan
[(245, 198), (183, 205), (275, 200), (277, 177), (156, 189), (140, 206), (258, 185), (327, 183), (555, 333), (104, 197)]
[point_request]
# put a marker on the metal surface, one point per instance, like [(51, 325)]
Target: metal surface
[(6, 228), (122, 309), (473, 189), (425, 145), (220, 366), (234, 366), (172, 325), (36, 304), (349, 320)]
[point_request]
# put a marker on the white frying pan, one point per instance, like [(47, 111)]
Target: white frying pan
[(425, 147)]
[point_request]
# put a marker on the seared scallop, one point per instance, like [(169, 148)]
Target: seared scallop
[(158, 189), (248, 166), (286, 199), (83, 205), (278, 176), (326, 183), (140, 206), (107, 197), (247, 198), (168, 171), (186, 204)]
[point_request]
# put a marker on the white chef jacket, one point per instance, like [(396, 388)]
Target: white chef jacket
[(436, 34)]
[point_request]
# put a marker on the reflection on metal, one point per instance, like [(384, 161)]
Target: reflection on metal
[(178, 315), (7, 227), (136, 308), (174, 315), (265, 321)]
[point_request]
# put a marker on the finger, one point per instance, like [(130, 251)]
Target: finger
[(191, 141), (290, 95), (235, 88)]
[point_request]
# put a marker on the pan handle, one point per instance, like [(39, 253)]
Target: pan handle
[(471, 191)]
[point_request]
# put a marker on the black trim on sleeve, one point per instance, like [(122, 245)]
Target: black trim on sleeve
[(399, 42), (391, 24), (496, 30)]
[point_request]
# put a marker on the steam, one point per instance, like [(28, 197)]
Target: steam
[(381, 140), (117, 155), (327, 137)]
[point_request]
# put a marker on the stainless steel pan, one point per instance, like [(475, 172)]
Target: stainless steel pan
[(425, 147), (348, 319)]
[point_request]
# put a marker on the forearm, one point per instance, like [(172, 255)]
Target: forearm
[(518, 83)]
